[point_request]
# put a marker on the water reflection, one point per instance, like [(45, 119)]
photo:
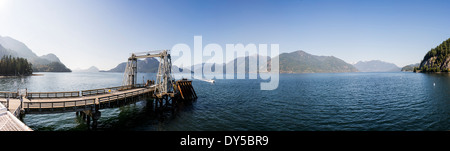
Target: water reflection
[(329, 101), (12, 84)]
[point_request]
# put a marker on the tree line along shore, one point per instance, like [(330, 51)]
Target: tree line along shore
[(15, 66)]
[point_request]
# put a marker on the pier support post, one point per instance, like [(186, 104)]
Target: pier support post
[(96, 114), (156, 104), (88, 121), (84, 115)]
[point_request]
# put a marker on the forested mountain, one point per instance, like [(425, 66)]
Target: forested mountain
[(295, 62), (235, 64), (46, 63), (148, 65), (437, 59), (302, 62)]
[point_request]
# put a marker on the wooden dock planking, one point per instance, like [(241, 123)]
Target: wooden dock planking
[(81, 102), (13, 105), (9, 115), (87, 102), (9, 122)]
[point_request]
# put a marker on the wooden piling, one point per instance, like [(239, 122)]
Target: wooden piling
[(186, 89)]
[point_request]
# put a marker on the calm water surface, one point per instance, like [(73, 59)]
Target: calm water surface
[(302, 102)]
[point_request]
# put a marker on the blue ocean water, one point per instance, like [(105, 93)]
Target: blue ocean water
[(394, 101)]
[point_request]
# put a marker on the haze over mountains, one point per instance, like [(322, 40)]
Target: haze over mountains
[(254, 68), (302, 62), (410, 67), (376, 66), (148, 65), (45, 63), (90, 69), (294, 62)]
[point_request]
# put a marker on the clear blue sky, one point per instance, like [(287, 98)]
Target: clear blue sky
[(104, 32)]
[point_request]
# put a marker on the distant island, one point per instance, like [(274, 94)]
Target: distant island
[(410, 68), (376, 66), (437, 59), (45, 63), (90, 69)]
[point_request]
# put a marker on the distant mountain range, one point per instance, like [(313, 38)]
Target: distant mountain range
[(90, 69), (302, 62), (45, 63), (294, 62), (205, 66), (376, 66), (148, 65)]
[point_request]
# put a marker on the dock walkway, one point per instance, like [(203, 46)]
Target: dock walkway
[(58, 102), (70, 104), (9, 122), (86, 103)]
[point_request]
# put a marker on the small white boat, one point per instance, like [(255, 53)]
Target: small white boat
[(206, 80), (210, 81)]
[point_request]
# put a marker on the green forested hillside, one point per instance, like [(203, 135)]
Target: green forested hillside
[(302, 62), (437, 59)]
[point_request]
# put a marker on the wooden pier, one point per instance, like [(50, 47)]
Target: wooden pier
[(56, 105), (87, 103), (9, 122), (54, 102)]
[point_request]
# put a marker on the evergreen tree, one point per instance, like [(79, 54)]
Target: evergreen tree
[(439, 53), (11, 66)]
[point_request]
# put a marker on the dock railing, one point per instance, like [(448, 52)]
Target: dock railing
[(51, 106), (4, 103), (109, 90), (16, 112), (58, 104), (8, 94), (31, 95)]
